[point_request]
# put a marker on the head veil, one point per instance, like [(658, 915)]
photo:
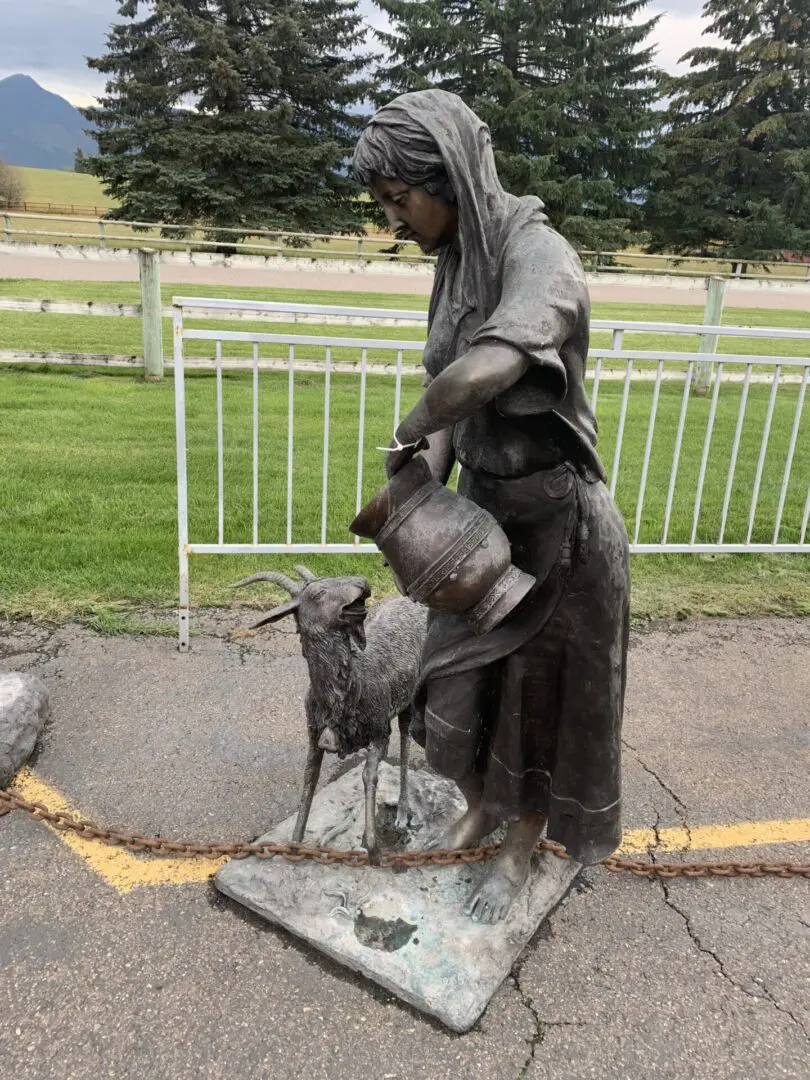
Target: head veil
[(430, 133)]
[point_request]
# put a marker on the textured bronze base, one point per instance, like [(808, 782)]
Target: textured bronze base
[(405, 931)]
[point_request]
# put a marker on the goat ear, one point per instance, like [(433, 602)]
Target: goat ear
[(353, 617), (278, 613)]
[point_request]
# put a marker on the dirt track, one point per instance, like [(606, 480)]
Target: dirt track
[(52, 268)]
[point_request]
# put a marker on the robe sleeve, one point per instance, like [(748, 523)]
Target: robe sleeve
[(544, 297)]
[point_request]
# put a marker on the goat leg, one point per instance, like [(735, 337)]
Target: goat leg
[(404, 803), (312, 771), (376, 752)]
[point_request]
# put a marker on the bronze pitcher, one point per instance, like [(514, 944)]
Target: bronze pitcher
[(443, 550)]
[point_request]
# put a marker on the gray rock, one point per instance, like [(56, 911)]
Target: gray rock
[(405, 930), (23, 711)]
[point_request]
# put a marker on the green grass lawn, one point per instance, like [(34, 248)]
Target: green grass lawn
[(92, 334), (87, 490), (87, 481), (128, 292)]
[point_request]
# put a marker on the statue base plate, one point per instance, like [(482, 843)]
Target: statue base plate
[(404, 929)]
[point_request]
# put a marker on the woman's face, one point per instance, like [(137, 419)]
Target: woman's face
[(414, 215)]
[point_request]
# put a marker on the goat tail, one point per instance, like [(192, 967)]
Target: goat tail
[(292, 587)]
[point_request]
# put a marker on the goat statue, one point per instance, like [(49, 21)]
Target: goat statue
[(363, 670)]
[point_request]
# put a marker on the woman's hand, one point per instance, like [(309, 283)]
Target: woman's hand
[(399, 454)]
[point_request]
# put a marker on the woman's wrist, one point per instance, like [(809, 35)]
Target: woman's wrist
[(413, 427), (402, 444), (404, 436)]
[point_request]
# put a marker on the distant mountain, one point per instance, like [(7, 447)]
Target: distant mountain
[(38, 128)]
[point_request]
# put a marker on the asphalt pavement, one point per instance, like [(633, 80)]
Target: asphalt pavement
[(629, 978)]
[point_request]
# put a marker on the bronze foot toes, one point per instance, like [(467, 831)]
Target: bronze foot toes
[(491, 901)]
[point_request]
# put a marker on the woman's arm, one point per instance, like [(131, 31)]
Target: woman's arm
[(487, 370), (462, 388)]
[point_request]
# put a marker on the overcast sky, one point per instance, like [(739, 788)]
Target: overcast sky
[(49, 39)]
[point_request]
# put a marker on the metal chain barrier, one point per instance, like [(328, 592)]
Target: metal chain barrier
[(293, 852)]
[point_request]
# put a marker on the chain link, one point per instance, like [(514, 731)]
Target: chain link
[(293, 852)]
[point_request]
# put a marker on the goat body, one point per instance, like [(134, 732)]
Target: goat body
[(364, 669), (355, 693)]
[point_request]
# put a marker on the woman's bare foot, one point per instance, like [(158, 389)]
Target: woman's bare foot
[(468, 831), (473, 825), (506, 877), (508, 873)]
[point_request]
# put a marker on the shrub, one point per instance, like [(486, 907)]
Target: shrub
[(12, 189)]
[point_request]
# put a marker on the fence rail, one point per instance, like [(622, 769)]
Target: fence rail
[(691, 475), (102, 231), (50, 209), (256, 311)]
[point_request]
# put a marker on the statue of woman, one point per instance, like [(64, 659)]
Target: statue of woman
[(527, 718)]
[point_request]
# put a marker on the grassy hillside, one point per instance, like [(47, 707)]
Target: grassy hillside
[(63, 188)]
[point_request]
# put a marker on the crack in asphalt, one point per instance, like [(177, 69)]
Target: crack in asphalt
[(681, 809), (539, 1030), (44, 649), (540, 1025), (765, 994)]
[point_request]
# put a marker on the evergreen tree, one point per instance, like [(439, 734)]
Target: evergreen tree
[(566, 86), (736, 155), (231, 113)]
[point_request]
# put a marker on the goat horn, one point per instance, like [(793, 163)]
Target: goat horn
[(292, 587), (305, 575), (277, 613)]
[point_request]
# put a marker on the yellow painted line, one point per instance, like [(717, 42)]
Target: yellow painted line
[(717, 837), (117, 866), (125, 871)]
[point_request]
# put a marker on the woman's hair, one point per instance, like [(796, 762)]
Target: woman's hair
[(395, 147)]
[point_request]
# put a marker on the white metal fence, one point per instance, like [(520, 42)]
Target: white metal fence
[(700, 475), (45, 224)]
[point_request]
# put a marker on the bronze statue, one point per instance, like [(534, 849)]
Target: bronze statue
[(525, 717), (363, 670)]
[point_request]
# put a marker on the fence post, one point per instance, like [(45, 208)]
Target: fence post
[(151, 314), (712, 316), (7, 226)]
